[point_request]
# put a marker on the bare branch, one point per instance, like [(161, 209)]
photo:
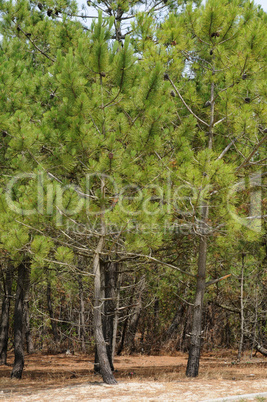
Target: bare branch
[(246, 161), (36, 47), (212, 282), (185, 104), (226, 149)]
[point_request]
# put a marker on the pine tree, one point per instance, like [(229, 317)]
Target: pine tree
[(223, 98)]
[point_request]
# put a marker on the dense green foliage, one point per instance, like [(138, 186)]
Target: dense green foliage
[(121, 132)]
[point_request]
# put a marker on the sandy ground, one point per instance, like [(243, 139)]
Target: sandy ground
[(148, 391), (140, 378)]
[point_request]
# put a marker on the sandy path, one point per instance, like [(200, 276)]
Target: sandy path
[(186, 391)]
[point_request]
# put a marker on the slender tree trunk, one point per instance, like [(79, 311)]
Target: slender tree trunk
[(241, 341), (5, 313), (102, 298), (122, 340), (116, 317), (26, 316), (124, 330), (171, 331), (23, 273), (28, 336), (99, 273), (104, 363), (195, 341), (51, 312), (255, 322), (133, 321), (111, 277), (82, 313)]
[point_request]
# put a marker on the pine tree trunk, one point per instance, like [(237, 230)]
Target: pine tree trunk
[(26, 316), (82, 312), (124, 330), (50, 311), (102, 298), (5, 314), (133, 321), (241, 341), (171, 331), (23, 273), (116, 316), (255, 322), (122, 340), (28, 336), (111, 277), (104, 363), (195, 341)]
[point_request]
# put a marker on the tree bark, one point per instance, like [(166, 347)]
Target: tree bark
[(255, 322), (241, 341), (104, 363), (51, 312), (116, 315), (195, 341), (110, 305), (82, 312), (171, 331), (261, 349), (122, 340), (133, 321), (26, 316), (102, 298), (5, 313), (23, 274)]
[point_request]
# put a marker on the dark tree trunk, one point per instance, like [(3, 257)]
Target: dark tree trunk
[(116, 314), (102, 298), (51, 312), (124, 330), (27, 328), (255, 322), (23, 273), (133, 321), (104, 363), (111, 276), (5, 313), (241, 340), (195, 340), (82, 313), (261, 349), (171, 331), (26, 316)]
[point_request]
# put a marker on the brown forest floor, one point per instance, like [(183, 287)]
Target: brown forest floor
[(70, 377)]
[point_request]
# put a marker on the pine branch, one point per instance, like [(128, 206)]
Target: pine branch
[(246, 161), (36, 47), (185, 104), (226, 149), (160, 262)]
